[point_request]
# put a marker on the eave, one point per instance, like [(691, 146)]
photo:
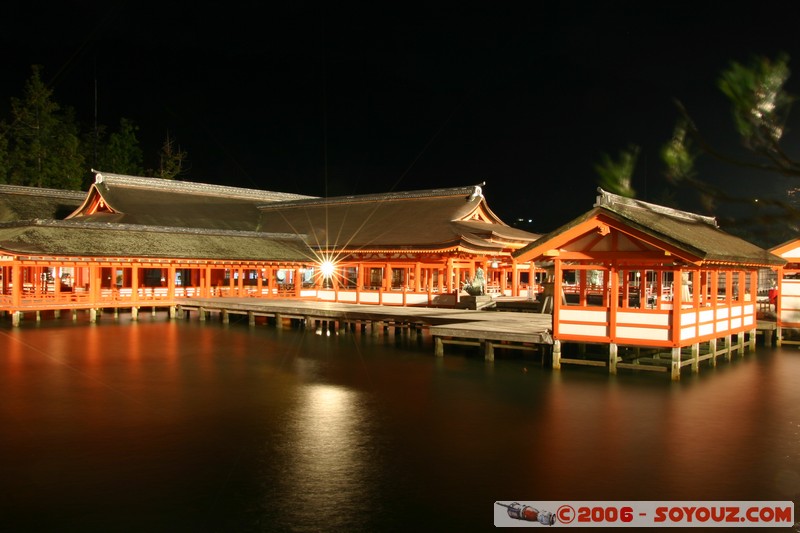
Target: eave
[(605, 222)]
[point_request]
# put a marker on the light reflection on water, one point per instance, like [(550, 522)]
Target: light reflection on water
[(159, 425), (329, 457)]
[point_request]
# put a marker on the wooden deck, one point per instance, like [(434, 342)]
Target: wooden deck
[(489, 329), (523, 329)]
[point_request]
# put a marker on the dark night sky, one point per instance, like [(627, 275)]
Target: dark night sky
[(331, 99)]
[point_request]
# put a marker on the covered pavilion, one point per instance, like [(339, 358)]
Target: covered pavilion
[(134, 241), (635, 274), (407, 248)]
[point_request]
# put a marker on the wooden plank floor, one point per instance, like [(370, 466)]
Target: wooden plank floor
[(461, 323)]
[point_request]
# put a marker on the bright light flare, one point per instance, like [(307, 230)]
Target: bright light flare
[(327, 268)]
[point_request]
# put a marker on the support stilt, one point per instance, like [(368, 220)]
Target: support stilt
[(438, 347), (676, 364), (729, 347), (712, 347), (556, 355), (612, 358)]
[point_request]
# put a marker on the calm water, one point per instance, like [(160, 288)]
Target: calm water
[(182, 426)]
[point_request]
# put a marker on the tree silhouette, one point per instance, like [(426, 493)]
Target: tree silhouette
[(760, 106), (171, 160), (43, 145), (617, 176)]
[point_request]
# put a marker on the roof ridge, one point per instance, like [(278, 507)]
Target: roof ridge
[(41, 191), (194, 187), (468, 190), (73, 223), (610, 200)]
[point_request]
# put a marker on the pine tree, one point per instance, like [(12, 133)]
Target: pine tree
[(171, 160), (617, 176), (44, 148), (120, 153)]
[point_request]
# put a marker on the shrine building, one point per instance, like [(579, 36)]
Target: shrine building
[(637, 275), (134, 241)]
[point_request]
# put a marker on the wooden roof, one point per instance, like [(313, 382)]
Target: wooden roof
[(25, 203), (130, 216), (72, 238), (156, 202), (620, 228), (428, 220), (789, 250)]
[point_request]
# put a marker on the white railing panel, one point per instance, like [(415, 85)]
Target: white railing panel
[(645, 319), (706, 329), (583, 315), (645, 334), (584, 330)]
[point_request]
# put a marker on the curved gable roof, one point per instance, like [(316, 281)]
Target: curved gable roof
[(115, 198), (70, 238), (25, 203), (434, 219), (689, 236)]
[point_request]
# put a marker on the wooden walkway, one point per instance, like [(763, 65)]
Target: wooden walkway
[(523, 329), (488, 329)]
